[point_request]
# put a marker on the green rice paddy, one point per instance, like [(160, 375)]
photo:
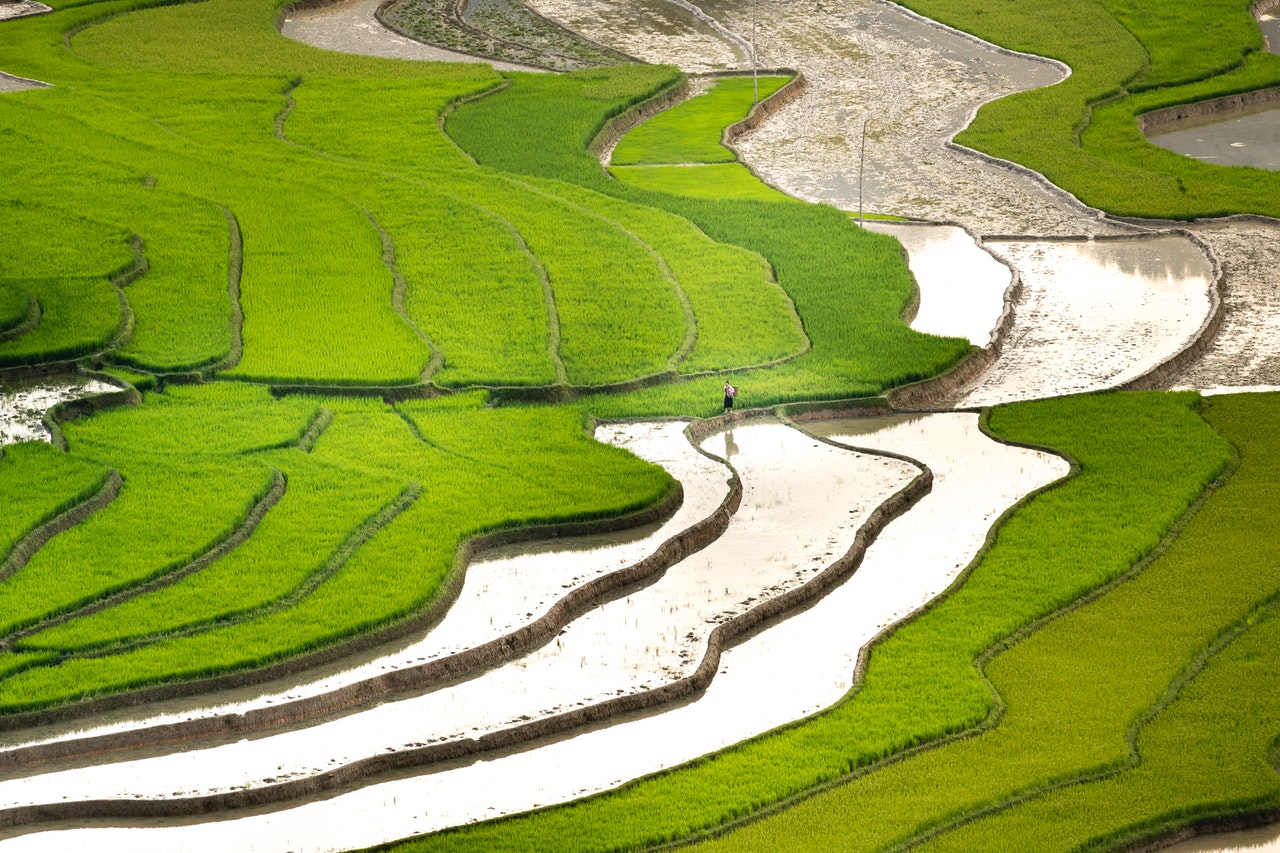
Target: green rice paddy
[(195, 193)]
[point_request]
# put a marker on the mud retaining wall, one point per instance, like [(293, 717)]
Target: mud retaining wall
[(615, 128), (1163, 374), (295, 666), (1171, 118), (794, 88), (723, 636), (424, 676)]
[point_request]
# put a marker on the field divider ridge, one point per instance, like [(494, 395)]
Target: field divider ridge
[(385, 686), (107, 489), (416, 756), (399, 292), (933, 392), (243, 531), (27, 323), (690, 338)]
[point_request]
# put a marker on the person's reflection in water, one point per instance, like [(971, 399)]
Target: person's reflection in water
[(730, 449)]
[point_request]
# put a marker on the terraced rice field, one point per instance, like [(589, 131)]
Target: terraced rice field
[(389, 500)]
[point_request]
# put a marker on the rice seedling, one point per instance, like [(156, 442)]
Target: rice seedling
[(725, 181), (690, 132)]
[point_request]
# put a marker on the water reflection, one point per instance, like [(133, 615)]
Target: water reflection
[(817, 494), (23, 403), (1263, 839), (1094, 315), (962, 286), (1245, 137)]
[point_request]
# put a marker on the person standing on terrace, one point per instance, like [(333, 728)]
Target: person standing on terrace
[(730, 392)]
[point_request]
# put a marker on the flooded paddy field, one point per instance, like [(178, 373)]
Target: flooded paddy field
[(819, 493), (23, 403), (504, 590), (797, 667), (1263, 839), (1092, 315), (962, 285), (1244, 137), (1095, 314)]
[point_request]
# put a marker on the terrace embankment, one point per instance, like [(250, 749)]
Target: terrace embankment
[(766, 680), (490, 621), (915, 84), (501, 709)]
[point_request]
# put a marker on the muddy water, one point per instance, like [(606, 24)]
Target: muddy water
[(795, 668), (24, 402), (351, 27), (1239, 138), (662, 31), (503, 590), (819, 494), (1265, 839), (962, 287), (1094, 315), (1270, 25)]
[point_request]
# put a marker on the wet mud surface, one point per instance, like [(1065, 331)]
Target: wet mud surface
[(674, 32), (1094, 314), (917, 84), (801, 665), (351, 27), (23, 403), (1246, 351), (9, 11)]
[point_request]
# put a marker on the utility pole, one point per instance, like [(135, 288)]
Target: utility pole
[(862, 159)]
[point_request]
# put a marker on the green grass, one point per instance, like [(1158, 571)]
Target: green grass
[(39, 482), (78, 316), (15, 305), (1142, 458), (728, 181), (845, 283), (1210, 753), (365, 534), (690, 132)]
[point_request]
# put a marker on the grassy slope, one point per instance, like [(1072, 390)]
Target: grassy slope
[(846, 284)]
